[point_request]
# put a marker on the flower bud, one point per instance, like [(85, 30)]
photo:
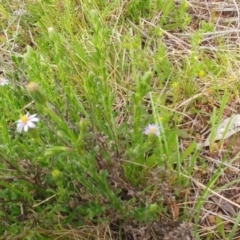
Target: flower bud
[(56, 173), (83, 125), (53, 34), (57, 150), (153, 208), (35, 93), (201, 73), (50, 30)]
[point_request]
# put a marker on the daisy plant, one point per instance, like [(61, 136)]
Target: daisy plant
[(3, 81), (27, 123), (152, 129)]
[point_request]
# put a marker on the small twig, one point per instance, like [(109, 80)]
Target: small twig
[(238, 13), (35, 205), (189, 100), (229, 31), (212, 191), (138, 29), (165, 86), (173, 110)]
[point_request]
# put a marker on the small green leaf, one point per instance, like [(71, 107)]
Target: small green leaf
[(220, 227)]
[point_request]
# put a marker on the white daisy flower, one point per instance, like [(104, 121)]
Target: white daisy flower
[(20, 12), (152, 129), (3, 81), (26, 121)]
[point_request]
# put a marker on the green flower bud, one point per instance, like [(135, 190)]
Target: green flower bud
[(56, 173), (57, 150), (153, 208), (35, 93)]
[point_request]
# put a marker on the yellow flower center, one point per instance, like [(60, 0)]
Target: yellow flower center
[(24, 119), (152, 130)]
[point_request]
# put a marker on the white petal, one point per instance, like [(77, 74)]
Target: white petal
[(31, 124), (34, 119), (25, 128), (19, 128)]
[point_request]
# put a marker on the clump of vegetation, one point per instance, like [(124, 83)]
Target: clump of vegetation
[(104, 107)]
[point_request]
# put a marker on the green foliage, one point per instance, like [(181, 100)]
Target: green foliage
[(96, 75)]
